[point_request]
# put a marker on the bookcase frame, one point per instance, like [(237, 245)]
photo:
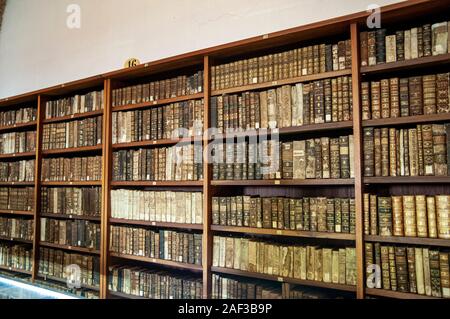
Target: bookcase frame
[(350, 24)]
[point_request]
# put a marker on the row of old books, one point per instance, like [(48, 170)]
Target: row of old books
[(16, 256), (17, 142), (85, 201), (153, 284), (322, 101), (159, 206), (308, 60), (286, 260), (18, 116), (87, 132), (398, 97), (309, 213), (419, 270), (158, 90), (72, 169), (19, 171), (381, 46), (419, 151), (92, 101), (307, 159), (18, 228), (407, 215), (12, 198), (80, 233), (175, 120), (55, 263), (171, 245), (175, 163)]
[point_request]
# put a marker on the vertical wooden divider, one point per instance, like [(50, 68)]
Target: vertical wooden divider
[(357, 144), (207, 235), (106, 190), (37, 186)]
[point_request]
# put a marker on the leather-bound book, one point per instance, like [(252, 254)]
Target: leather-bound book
[(325, 155), (369, 145), (297, 106), (299, 159), (342, 266), (414, 44), (421, 216), (385, 98), (415, 95), (313, 214), (380, 36), (385, 216), (404, 97), (330, 215), (385, 151), (444, 273), (400, 42), (299, 220), (427, 271), (287, 159), (397, 215), (394, 98), (420, 42), (420, 276), (393, 268), (369, 257), (275, 212), (310, 159), (411, 270), (391, 48), (215, 211), (371, 48), (344, 156), (385, 268), (328, 100), (431, 216), (306, 214), (409, 215), (363, 38), (335, 163), (435, 276), (392, 152), (439, 149), (429, 94), (443, 216), (428, 152), (421, 167), (346, 110), (401, 269), (375, 98), (413, 152), (345, 209), (318, 265), (439, 38), (442, 93), (373, 213), (319, 111), (318, 157), (377, 151), (365, 101), (366, 216)]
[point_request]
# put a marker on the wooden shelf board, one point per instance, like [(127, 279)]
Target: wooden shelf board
[(407, 64), (121, 146), (16, 183), (19, 240), (17, 126), (81, 149), (407, 180), (284, 279), (76, 116), (155, 224), (406, 120), (71, 248), (156, 183), (169, 263), (157, 103), (279, 232), (63, 216), (18, 155), (409, 240), (124, 295), (21, 271), (16, 212), (74, 183), (62, 280), (396, 294), (299, 79), (293, 182)]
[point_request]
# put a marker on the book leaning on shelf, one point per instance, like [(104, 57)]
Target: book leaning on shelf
[(176, 163), (72, 169), (16, 256), (399, 97), (84, 201), (54, 262), (20, 171), (87, 132), (17, 142), (314, 59), (163, 244), (21, 199), (289, 261), (80, 233), (412, 269), (158, 90), (18, 116), (419, 151), (161, 206), (175, 120), (17, 228), (323, 101), (153, 284), (383, 46), (309, 213), (407, 215), (92, 101)]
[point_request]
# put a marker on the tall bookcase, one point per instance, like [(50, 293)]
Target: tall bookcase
[(347, 27)]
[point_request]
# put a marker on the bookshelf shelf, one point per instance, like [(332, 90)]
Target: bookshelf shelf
[(408, 180), (156, 261), (409, 240), (396, 294), (18, 126), (299, 182), (76, 150), (266, 85), (74, 183), (423, 62), (77, 116), (122, 146), (311, 283), (62, 216), (407, 120), (19, 240), (157, 103), (16, 183), (156, 183), (155, 224), (71, 248), (18, 155), (280, 232), (16, 212), (62, 280), (20, 271)]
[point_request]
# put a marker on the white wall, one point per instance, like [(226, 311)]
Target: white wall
[(37, 49)]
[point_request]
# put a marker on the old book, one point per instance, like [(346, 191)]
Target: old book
[(439, 38), (299, 159), (380, 35), (400, 42), (401, 269), (439, 149), (394, 97), (431, 216), (392, 268), (414, 44), (435, 276), (427, 40), (429, 94), (385, 216), (376, 99), (444, 273), (363, 38), (373, 215), (420, 276), (369, 162), (411, 270), (415, 95), (426, 271), (421, 216), (344, 156), (409, 211), (397, 216), (372, 48), (391, 48), (407, 46), (443, 216), (377, 151), (442, 93), (385, 267)]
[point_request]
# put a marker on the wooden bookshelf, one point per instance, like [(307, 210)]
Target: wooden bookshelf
[(396, 15), (20, 271), (396, 294), (79, 217), (17, 240), (17, 212)]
